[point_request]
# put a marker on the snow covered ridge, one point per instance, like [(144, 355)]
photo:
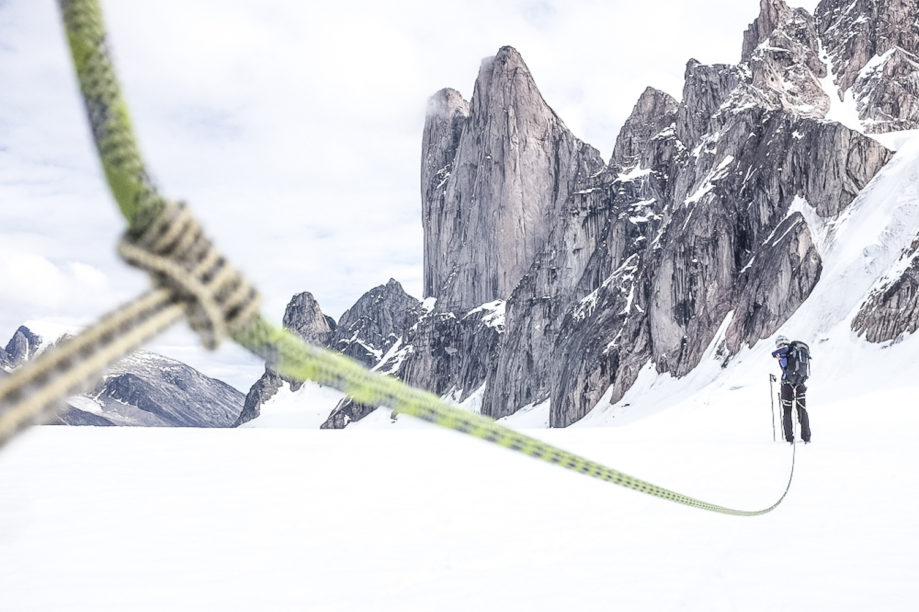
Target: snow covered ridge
[(143, 389)]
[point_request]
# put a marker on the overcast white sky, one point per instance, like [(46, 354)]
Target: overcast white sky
[(294, 130)]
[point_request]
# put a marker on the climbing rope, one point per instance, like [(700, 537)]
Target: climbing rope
[(190, 277)]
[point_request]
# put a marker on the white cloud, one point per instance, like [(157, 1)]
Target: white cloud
[(35, 281)]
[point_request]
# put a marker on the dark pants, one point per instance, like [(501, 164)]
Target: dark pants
[(795, 396)]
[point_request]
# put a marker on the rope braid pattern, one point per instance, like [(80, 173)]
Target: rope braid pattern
[(171, 246), (181, 258), (108, 115)]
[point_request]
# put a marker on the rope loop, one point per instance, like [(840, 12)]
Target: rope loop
[(180, 258)]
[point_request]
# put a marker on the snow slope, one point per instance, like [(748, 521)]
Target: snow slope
[(404, 516), (426, 519)]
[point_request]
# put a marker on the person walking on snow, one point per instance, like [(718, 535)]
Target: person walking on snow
[(794, 359)]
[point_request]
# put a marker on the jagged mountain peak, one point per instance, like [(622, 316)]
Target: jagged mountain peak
[(772, 14), (445, 103), (304, 317), (22, 346), (654, 112), (489, 181), (505, 81), (381, 316)]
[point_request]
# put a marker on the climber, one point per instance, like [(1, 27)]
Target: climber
[(794, 359)]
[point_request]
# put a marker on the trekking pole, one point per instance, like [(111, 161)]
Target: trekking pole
[(772, 403)]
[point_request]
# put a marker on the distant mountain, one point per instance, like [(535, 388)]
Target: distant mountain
[(369, 331), (551, 275), (21, 347), (143, 389)]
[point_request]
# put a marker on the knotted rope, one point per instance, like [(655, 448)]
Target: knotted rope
[(182, 259)]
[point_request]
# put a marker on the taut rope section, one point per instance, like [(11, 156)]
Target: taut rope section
[(190, 276)]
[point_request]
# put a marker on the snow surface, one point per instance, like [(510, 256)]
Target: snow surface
[(400, 515), (494, 314)]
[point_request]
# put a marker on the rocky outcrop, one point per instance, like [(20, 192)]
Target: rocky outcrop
[(304, 318), (444, 353), (514, 166), (259, 393), (654, 112), (781, 53), (367, 332), (21, 347), (370, 328), (873, 49), (892, 308)]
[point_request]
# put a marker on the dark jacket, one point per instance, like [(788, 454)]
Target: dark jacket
[(782, 355)]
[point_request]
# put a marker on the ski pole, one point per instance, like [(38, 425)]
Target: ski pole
[(772, 403)]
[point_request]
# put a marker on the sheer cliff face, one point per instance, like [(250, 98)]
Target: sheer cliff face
[(689, 227), (872, 47), (493, 178), (558, 277)]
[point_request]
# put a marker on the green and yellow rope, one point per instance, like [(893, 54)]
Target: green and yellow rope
[(141, 204)]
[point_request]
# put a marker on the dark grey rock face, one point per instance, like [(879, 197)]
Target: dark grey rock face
[(261, 391), (371, 327), (893, 308), (873, 48), (304, 317), (151, 390), (776, 282), (21, 347), (367, 331), (487, 209)]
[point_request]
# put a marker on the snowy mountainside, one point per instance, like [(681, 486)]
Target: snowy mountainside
[(716, 219), (144, 388), (861, 250), (151, 390)]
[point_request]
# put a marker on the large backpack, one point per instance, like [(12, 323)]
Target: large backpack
[(797, 363)]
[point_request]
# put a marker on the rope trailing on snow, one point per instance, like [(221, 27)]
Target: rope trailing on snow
[(191, 276), (293, 358)]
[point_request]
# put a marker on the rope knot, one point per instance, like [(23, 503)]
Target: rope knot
[(180, 258)]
